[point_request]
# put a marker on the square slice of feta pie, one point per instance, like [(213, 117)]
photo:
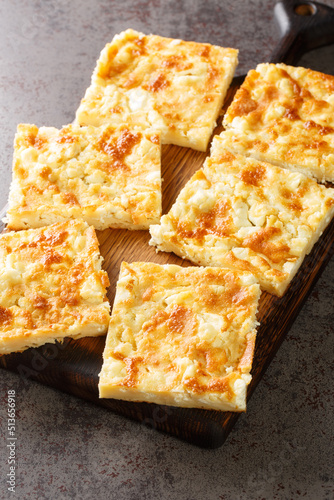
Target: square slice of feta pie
[(285, 115), (51, 286), (175, 86), (241, 213), (108, 176), (181, 336)]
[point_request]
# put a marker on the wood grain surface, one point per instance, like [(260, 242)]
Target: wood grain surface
[(74, 366)]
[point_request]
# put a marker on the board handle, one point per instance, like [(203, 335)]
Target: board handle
[(303, 26)]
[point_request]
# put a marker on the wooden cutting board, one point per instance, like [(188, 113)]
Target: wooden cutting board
[(74, 366)]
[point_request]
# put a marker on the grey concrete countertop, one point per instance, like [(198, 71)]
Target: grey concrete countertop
[(69, 449)]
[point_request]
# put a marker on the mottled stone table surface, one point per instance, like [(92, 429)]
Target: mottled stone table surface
[(69, 449)]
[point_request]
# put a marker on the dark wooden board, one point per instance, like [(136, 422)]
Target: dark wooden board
[(74, 366)]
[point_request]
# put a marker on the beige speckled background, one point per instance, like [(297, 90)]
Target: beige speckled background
[(69, 449)]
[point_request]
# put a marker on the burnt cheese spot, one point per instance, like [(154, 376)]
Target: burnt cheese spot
[(28, 320), (315, 106), (213, 75), (155, 139), (181, 320), (139, 48), (51, 257), (260, 146), (69, 198), (225, 157), (247, 356), (40, 302), (132, 369), (243, 104), (21, 172), (171, 61), (111, 67), (77, 274), (260, 242), (131, 81), (204, 50), (112, 70), (69, 297), (219, 385), (293, 198), (284, 128), (147, 295), (104, 279), (319, 145), (242, 264), (117, 109), (6, 316), (54, 237), (211, 359), (157, 319), (117, 355), (70, 288), (179, 323), (311, 125), (36, 140), (298, 91), (45, 172), (270, 93), (291, 113), (253, 175), (200, 176), (177, 62), (302, 97), (218, 222), (170, 116), (117, 150), (325, 80), (66, 136), (30, 193), (157, 82), (66, 139), (234, 294)]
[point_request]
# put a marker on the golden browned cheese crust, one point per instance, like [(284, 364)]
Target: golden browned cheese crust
[(181, 336), (175, 86), (108, 176), (241, 213), (285, 115), (51, 286)]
